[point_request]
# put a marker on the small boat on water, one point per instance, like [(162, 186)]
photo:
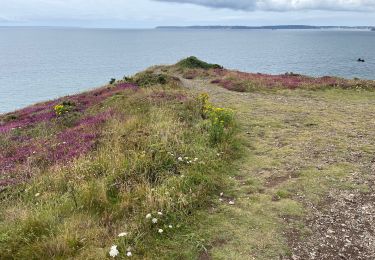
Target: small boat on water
[(360, 60)]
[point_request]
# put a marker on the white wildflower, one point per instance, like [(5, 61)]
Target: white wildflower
[(129, 254), (195, 159), (114, 252), (160, 230), (170, 226), (221, 194), (186, 158), (180, 159), (123, 234), (154, 220), (148, 216), (37, 194), (160, 213)]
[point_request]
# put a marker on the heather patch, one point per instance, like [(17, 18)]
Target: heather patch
[(25, 153), (52, 132), (47, 111), (242, 82)]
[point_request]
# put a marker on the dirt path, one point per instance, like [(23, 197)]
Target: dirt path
[(305, 185)]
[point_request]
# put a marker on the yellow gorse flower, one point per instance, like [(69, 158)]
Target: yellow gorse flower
[(220, 118), (59, 109)]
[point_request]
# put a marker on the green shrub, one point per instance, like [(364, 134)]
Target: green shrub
[(112, 81), (148, 79), (64, 108), (194, 63)]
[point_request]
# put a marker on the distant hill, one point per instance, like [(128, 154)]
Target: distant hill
[(270, 27)]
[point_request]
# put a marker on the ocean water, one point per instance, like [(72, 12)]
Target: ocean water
[(38, 64)]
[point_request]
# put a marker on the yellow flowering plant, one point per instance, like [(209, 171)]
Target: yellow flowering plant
[(63, 108), (220, 118)]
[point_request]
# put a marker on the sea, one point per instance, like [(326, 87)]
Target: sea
[(38, 64)]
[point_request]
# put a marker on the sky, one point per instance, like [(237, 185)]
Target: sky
[(151, 13)]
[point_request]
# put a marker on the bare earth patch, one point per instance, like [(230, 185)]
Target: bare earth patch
[(341, 228)]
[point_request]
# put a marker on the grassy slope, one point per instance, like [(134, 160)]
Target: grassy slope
[(76, 208)]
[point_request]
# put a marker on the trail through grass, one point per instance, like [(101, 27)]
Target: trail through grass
[(300, 147)]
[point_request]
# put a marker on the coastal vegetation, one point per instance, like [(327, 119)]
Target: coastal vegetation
[(192, 161), (111, 172)]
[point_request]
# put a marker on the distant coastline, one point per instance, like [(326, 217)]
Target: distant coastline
[(270, 27)]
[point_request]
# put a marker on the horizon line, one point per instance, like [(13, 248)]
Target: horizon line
[(179, 26)]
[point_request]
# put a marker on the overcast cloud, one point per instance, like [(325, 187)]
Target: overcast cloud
[(284, 5)]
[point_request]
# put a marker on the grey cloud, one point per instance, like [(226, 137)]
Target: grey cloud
[(235, 5), (284, 5)]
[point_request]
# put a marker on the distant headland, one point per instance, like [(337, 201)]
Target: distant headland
[(269, 27)]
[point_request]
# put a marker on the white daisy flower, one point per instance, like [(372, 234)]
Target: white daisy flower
[(148, 216), (160, 213), (114, 252), (123, 234), (154, 220), (160, 230), (129, 254), (180, 159), (170, 226)]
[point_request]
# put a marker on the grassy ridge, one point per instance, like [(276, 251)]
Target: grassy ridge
[(154, 157)]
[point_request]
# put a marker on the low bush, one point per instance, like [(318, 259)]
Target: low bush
[(64, 108), (194, 63), (112, 81), (148, 78)]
